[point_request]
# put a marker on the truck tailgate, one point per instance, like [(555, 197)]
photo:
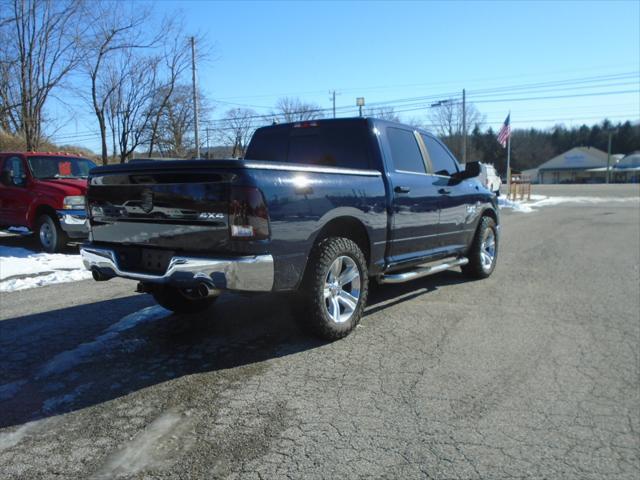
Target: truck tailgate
[(184, 209)]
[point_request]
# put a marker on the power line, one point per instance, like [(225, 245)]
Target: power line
[(492, 123), (494, 95), (427, 84)]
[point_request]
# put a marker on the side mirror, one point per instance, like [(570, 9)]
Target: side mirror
[(471, 170)]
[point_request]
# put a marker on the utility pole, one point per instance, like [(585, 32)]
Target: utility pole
[(207, 133), (195, 94), (464, 127), (611, 132), (333, 98)]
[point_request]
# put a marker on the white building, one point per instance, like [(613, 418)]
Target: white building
[(578, 165)]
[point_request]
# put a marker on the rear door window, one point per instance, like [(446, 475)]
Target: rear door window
[(405, 152)]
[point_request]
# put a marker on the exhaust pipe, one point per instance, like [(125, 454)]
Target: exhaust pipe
[(199, 290), (205, 290), (98, 276)]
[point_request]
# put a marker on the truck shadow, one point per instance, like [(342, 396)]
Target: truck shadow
[(31, 242), (69, 359)]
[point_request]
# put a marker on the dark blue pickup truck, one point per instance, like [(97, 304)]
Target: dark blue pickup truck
[(320, 207)]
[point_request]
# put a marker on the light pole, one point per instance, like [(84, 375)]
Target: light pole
[(360, 103)]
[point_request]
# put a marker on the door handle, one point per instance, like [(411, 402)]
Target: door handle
[(400, 189), (306, 190), (444, 191)]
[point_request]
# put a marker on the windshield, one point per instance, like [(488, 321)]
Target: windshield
[(60, 167)]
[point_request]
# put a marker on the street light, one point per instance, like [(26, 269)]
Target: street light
[(360, 103), (440, 103)]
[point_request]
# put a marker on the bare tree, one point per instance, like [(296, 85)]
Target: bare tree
[(237, 130), (173, 131), (176, 60), (129, 107), (446, 122), (289, 109), (40, 47), (384, 113), (9, 93), (114, 31)]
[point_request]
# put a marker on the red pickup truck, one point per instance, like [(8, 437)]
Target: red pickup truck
[(45, 193)]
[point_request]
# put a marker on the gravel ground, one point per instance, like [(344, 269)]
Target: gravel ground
[(532, 373)]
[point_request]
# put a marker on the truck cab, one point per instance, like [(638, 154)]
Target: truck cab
[(44, 192)]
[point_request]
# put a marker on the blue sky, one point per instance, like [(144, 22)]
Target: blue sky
[(388, 51)]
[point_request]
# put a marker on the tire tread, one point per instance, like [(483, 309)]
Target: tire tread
[(322, 255)]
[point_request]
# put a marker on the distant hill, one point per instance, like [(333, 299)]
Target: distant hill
[(13, 143)]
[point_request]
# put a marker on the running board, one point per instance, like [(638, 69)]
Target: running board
[(422, 271)]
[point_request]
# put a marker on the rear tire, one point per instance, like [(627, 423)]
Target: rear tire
[(178, 300), (52, 238), (334, 290), (483, 253)]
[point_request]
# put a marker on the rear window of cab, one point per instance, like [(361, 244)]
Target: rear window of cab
[(311, 143)]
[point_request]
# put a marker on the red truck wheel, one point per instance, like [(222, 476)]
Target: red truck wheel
[(52, 237)]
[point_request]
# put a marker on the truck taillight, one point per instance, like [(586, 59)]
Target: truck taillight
[(248, 215)]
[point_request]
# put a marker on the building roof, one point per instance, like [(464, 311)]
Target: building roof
[(630, 161), (577, 158)]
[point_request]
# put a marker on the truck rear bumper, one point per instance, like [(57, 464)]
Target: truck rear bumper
[(74, 223), (247, 273)]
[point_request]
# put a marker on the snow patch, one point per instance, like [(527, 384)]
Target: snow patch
[(66, 360), (21, 268), (515, 205), (44, 280), (548, 201), (538, 201), (153, 447), (13, 231)]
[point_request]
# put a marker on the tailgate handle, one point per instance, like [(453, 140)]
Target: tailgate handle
[(400, 189), (444, 191)]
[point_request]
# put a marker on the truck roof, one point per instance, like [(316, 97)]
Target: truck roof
[(44, 154)]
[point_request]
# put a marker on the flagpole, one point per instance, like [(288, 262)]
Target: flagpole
[(509, 160)]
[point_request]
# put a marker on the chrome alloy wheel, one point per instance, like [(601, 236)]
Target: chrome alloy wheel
[(342, 289), (488, 249), (47, 233)]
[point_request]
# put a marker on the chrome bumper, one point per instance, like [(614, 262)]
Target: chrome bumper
[(249, 273), (74, 222)]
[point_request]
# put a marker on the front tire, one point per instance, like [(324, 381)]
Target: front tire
[(52, 238), (179, 300), (335, 288), (483, 253)]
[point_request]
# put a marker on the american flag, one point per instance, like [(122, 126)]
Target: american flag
[(505, 132)]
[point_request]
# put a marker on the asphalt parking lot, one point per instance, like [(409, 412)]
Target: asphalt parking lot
[(532, 373)]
